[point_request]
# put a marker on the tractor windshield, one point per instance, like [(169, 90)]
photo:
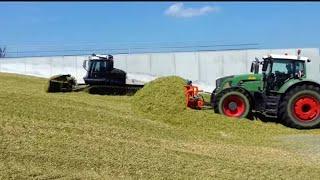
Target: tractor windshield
[(98, 68), (281, 70), (288, 68), (101, 66), (283, 67)]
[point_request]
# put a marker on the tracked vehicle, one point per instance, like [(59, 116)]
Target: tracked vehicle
[(281, 91), (101, 78)]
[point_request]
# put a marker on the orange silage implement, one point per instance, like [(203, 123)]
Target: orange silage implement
[(193, 99)]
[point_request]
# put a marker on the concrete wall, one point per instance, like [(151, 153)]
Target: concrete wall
[(202, 67)]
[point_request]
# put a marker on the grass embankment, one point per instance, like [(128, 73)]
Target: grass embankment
[(78, 135)]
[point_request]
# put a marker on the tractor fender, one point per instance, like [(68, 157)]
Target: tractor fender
[(293, 83)]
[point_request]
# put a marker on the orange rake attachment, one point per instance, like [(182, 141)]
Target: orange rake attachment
[(193, 99)]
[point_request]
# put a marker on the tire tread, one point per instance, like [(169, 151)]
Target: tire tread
[(284, 115)]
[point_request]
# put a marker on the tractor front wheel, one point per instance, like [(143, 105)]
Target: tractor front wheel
[(300, 107), (233, 103)]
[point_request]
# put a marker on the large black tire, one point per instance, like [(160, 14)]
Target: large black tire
[(239, 95), (300, 107)]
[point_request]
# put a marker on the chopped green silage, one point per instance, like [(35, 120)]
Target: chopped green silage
[(163, 96), (83, 136)]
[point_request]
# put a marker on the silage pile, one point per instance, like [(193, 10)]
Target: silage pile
[(162, 96)]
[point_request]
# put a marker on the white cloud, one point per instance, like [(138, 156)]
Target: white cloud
[(178, 10)]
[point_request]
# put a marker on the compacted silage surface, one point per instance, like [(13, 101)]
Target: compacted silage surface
[(83, 136), (163, 96)]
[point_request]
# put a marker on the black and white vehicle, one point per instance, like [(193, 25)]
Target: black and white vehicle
[(101, 78)]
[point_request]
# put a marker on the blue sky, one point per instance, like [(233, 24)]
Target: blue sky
[(75, 24)]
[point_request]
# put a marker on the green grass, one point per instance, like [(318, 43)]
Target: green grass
[(83, 136)]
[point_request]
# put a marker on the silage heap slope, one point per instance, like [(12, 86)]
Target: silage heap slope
[(83, 136), (162, 96)]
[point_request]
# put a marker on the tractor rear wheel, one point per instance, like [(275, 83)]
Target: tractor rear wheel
[(233, 103), (300, 107)]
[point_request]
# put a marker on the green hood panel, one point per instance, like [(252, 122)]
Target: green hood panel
[(251, 82), (247, 77)]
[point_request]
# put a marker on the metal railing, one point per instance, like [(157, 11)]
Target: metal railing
[(36, 50)]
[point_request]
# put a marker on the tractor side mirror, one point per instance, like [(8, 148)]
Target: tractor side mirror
[(252, 67), (256, 68)]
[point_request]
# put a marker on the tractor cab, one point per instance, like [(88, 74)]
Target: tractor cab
[(279, 69), (98, 65), (100, 71)]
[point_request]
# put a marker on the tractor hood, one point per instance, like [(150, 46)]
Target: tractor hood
[(251, 80), (246, 77)]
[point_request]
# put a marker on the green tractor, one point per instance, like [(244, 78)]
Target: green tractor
[(281, 91)]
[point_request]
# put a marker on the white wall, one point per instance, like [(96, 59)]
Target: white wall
[(200, 67)]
